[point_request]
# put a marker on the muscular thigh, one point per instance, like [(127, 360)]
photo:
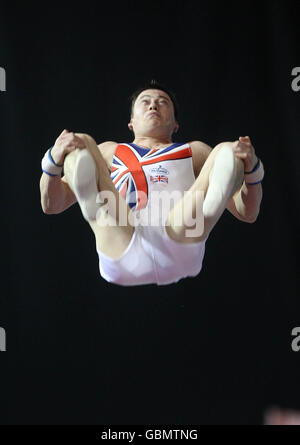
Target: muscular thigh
[(112, 228), (194, 201)]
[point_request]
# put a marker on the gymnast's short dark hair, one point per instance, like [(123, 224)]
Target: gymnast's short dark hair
[(154, 85)]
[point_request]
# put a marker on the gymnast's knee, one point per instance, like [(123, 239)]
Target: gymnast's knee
[(86, 138), (223, 144), (70, 159)]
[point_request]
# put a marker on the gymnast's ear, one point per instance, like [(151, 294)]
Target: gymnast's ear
[(130, 126)]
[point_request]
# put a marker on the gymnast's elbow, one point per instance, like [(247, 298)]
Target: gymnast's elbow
[(245, 217), (48, 209), (250, 218)]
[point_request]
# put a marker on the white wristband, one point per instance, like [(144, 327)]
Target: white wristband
[(49, 166), (256, 175)]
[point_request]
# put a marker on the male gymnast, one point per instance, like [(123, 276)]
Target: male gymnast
[(118, 185)]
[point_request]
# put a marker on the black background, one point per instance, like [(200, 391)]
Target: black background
[(208, 350)]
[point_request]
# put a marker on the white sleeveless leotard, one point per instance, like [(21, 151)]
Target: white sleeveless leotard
[(142, 176)]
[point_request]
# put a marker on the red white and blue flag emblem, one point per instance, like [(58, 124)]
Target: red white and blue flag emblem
[(129, 177), (159, 175)]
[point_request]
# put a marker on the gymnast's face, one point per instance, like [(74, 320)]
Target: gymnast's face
[(153, 115)]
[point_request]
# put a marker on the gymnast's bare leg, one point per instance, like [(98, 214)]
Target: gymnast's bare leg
[(221, 176), (87, 174)]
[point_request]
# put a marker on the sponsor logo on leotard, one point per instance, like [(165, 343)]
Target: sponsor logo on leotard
[(159, 174)]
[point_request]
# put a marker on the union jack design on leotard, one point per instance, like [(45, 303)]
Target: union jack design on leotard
[(127, 171)]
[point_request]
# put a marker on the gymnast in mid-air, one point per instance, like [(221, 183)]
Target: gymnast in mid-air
[(151, 203)]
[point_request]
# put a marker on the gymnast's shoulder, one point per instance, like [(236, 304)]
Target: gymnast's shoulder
[(200, 152), (107, 150)]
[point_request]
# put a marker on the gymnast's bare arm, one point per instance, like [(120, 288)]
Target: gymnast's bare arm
[(245, 203), (56, 194)]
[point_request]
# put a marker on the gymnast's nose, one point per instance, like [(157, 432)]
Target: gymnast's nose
[(153, 106)]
